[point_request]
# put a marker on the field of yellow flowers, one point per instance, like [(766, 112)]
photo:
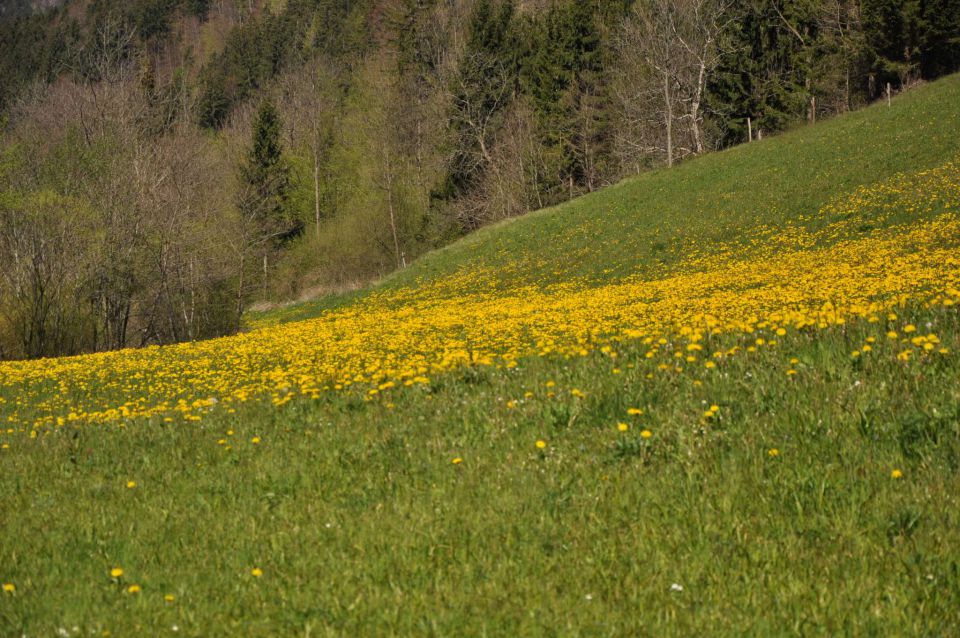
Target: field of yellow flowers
[(700, 402), (784, 279)]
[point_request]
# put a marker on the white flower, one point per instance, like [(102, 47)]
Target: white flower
[(676, 587)]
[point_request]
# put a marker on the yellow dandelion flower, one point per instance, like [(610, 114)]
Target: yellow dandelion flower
[(116, 572), (131, 484), (541, 444), (457, 461), (646, 434), (896, 474), (133, 589), (634, 411), (256, 572), (169, 598), (773, 452), (623, 427), (9, 588)]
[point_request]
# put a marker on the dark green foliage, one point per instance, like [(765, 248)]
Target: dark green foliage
[(253, 54), (416, 46), (780, 54), (481, 91), (909, 39), (33, 46), (266, 181), (150, 20), (563, 75), (258, 50), (198, 8), (765, 74)]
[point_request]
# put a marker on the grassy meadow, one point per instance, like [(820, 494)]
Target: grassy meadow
[(721, 399)]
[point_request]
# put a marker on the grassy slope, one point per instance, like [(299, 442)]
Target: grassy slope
[(643, 221), (362, 524)]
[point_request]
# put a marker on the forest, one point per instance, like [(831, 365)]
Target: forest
[(167, 164)]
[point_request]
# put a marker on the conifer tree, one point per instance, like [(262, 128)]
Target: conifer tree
[(481, 91), (266, 180), (564, 78)]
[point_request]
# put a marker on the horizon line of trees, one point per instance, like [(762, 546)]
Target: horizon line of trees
[(153, 185)]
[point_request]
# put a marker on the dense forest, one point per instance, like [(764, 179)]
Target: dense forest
[(166, 163)]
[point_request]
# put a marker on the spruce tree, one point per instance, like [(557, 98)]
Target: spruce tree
[(481, 91), (563, 77), (266, 180)]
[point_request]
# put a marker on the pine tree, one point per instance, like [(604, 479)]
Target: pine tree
[(266, 180), (481, 91), (563, 76)]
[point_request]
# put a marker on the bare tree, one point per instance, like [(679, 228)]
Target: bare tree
[(697, 29), (111, 241), (667, 51), (649, 61)]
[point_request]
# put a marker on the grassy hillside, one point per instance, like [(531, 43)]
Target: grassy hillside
[(717, 400), (643, 225)]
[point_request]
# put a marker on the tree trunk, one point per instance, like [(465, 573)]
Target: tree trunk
[(316, 191), (695, 108), (846, 91), (669, 118), (240, 292), (393, 220)]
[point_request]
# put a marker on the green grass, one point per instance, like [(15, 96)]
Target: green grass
[(363, 525)]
